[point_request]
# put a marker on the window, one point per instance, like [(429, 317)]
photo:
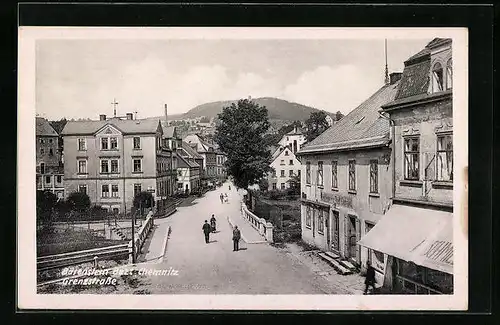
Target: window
[(320, 173), (114, 190), (51, 152), (286, 152), (334, 174), (411, 158), (105, 191), (42, 141), (138, 188), (82, 167), (282, 173), (59, 178), (82, 189), (82, 145), (290, 173), (308, 217), (308, 172), (114, 143), (47, 179), (137, 165), (298, 172), (291, 162), (104, 143), (274, 173), (321, 221), (114, 165), (274, 186), (373, 176), (50, 140), (437, 78), (282, 186), (282, 162), (104, 166), (179, 172), (352, 175), (116, 211), (444, 157), (42, 168), (42, 151), (449, 75)]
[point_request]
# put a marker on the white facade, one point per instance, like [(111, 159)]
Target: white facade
[(293, 139), (285, 166)]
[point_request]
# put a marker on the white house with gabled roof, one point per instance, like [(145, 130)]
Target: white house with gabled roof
[(285, 165)]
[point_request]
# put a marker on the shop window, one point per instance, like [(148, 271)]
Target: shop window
[(411, 158), (444, 157)]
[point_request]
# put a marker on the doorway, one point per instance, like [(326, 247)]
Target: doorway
[(352, 233), (335, 245)]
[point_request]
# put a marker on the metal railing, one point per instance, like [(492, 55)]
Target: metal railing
[(51, 262)]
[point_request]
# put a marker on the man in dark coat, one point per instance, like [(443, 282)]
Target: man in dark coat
[(221, 198), (370, 277), (206, 230), (236, 238), (213, 223)]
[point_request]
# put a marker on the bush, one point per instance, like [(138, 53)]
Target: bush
[(79, 202)]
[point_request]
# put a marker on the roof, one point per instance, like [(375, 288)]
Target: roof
[(296, 131), (190, 151), (125, 126), (363, 127), (43, 128), (168, 130), (185, 163), (415, 79)]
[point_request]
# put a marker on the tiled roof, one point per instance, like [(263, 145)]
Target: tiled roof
[(168, 131), (415, 79), (363, 127), (437, 42), (43, 128), (185, 163), (190, 151), (297, 131), (125, 126)]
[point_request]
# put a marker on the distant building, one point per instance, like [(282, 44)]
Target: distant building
[(188, 175), (285, 165), (329, 120), (207, 151), (114, 159), (49, 167), (293, 139)]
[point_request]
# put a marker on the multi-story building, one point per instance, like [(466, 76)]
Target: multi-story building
[(416, 234), (114, 159), (188, 175), (49, 167), (293, 139), (207, 151), (221, 168), (346, 181), (285, 165), (172, 141)]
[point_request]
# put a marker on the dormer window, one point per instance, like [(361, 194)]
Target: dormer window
[(437, 78), (449, 75)]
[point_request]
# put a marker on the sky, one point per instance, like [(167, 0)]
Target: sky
[(81, 78)]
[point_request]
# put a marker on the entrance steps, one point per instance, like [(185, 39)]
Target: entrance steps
[(340, 265)]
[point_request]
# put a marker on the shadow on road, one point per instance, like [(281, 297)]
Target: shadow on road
[(242, 249), (212, 241)]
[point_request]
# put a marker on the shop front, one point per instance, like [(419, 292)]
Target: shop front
[(414, 248)]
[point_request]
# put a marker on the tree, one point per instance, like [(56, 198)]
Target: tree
[(45, 203), (143, 200), (240, 135), (316, 124), (338, 116), (79, 202), (263, 184)]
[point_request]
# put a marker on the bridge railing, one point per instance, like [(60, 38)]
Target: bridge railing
[(141, 237), (260, 224)]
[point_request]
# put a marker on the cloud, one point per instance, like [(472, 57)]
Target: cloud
[(339, 88)]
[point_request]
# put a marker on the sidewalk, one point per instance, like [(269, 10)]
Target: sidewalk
[(155, 244), (249, 234)]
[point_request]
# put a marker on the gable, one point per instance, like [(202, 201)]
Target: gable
[(108, 129)]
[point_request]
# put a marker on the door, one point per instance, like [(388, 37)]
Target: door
[(328, 230), (335, 230), (313, 222), (352, 238)]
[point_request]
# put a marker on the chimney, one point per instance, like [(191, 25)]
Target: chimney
[(166, 114), (130, 116), (102, 117), (395, 77)]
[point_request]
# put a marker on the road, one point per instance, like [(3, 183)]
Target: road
[(215, 268)]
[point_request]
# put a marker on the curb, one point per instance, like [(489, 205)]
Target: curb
[(165, 242), (243, 237)]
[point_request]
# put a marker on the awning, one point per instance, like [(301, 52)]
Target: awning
[(418, 235)]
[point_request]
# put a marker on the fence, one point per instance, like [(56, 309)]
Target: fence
[(260, 224), (141, 237)]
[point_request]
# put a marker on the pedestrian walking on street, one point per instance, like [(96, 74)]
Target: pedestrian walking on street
[(230, 187), (212, 223), (370, 277), (221, 198), (206, 230), (236, 238)]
